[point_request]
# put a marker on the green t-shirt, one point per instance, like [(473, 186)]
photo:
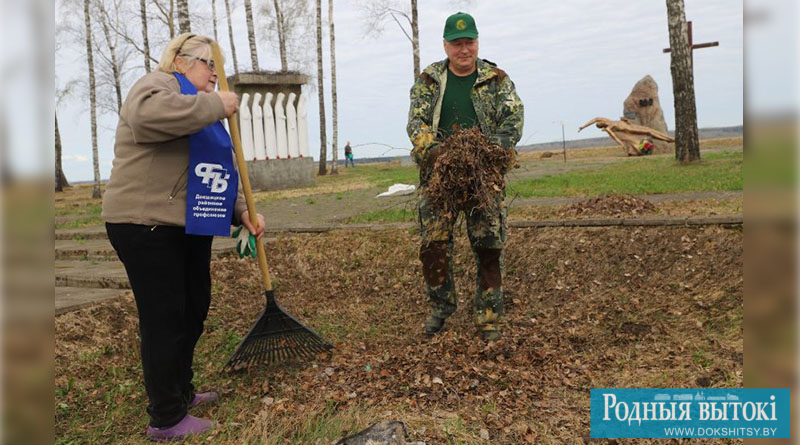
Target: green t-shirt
[(457, 109)]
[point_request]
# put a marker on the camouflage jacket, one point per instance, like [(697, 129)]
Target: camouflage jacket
[(497, 107)]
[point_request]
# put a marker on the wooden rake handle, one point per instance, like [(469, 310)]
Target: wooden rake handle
[(233, 124)]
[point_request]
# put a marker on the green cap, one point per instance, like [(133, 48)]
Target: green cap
[(460, 25)]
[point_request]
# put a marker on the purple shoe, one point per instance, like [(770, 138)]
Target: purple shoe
[(203, 398), (188, 426)]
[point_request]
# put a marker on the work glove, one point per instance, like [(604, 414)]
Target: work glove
[(429, 156), (245, 242)]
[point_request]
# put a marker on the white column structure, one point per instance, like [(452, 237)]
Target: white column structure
[(258, 129), (302, 126), (280, 128), (246, 124), (269, 128), (291, 126)]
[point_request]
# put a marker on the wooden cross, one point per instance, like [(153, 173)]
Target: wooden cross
[(692, 46)]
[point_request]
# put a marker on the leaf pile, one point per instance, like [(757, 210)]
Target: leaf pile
[(468, 174), (609, 205)]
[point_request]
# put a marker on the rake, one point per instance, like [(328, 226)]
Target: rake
[(276, 336)]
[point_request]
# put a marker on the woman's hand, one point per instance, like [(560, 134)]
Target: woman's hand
[(257, 231), (230, 101)]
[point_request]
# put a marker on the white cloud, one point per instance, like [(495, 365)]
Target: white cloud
[(75, 158)]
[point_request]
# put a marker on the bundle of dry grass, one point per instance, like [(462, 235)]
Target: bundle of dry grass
[(468, 174)]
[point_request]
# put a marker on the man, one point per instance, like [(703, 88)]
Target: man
[(348, 155), (462, 91)]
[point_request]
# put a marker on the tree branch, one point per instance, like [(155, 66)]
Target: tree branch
[(401, 27)]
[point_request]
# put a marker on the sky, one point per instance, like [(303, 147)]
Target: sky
[(571, 61)]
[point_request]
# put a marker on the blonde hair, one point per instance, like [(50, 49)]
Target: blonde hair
[(186, 44)]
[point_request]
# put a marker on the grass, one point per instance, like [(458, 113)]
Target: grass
[(379, 175), (716, 172), (385, 215), (79, 208), (80, 222)]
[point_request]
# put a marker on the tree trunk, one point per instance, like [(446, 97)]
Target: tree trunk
[(251, 34), (145, 40), (61, 180), (281, 35), (687, 141), (171, 19), (92, 100), (183, 16), (112, 50), (230, 37), (214, 18), (323, 140), (334, 109), (415, 37)]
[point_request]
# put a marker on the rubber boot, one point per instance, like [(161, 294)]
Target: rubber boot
[(188, 426), (433, 325), (204, 398)]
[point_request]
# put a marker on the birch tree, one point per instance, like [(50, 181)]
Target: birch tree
[(281, 29), (251, 34), (287, 25), (334, 109), (214, 18), (323, 140), (230, 36), (61, 94), (687, 141), (145, 39), (166, 14), (184, 23), (92, 100), (378, 12), (60, 180), (111, 43)]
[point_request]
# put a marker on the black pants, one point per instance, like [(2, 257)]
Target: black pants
[(170, 275)]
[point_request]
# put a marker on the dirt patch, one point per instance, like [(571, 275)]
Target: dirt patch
[(585, 308), (609, 205)]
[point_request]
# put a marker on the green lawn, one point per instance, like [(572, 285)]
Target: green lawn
[(386, 215), (716, 172), (382, 175)]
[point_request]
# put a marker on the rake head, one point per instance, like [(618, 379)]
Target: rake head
[(276, 337)]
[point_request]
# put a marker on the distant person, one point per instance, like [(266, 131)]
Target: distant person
[(462, 91), (170, 148), (348, 155)]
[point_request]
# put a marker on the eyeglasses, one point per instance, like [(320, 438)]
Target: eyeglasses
[(209, 62)]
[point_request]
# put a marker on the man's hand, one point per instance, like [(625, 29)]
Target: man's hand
[(429, 156)]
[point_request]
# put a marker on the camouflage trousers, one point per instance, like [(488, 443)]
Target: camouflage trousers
[(486, 231)]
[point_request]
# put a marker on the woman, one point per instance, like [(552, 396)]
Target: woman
[(169, 140)]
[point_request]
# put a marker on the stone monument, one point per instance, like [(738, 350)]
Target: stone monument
[(271, 163), (642, 107)]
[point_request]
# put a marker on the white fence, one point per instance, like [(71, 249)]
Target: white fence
[(274, 131)]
